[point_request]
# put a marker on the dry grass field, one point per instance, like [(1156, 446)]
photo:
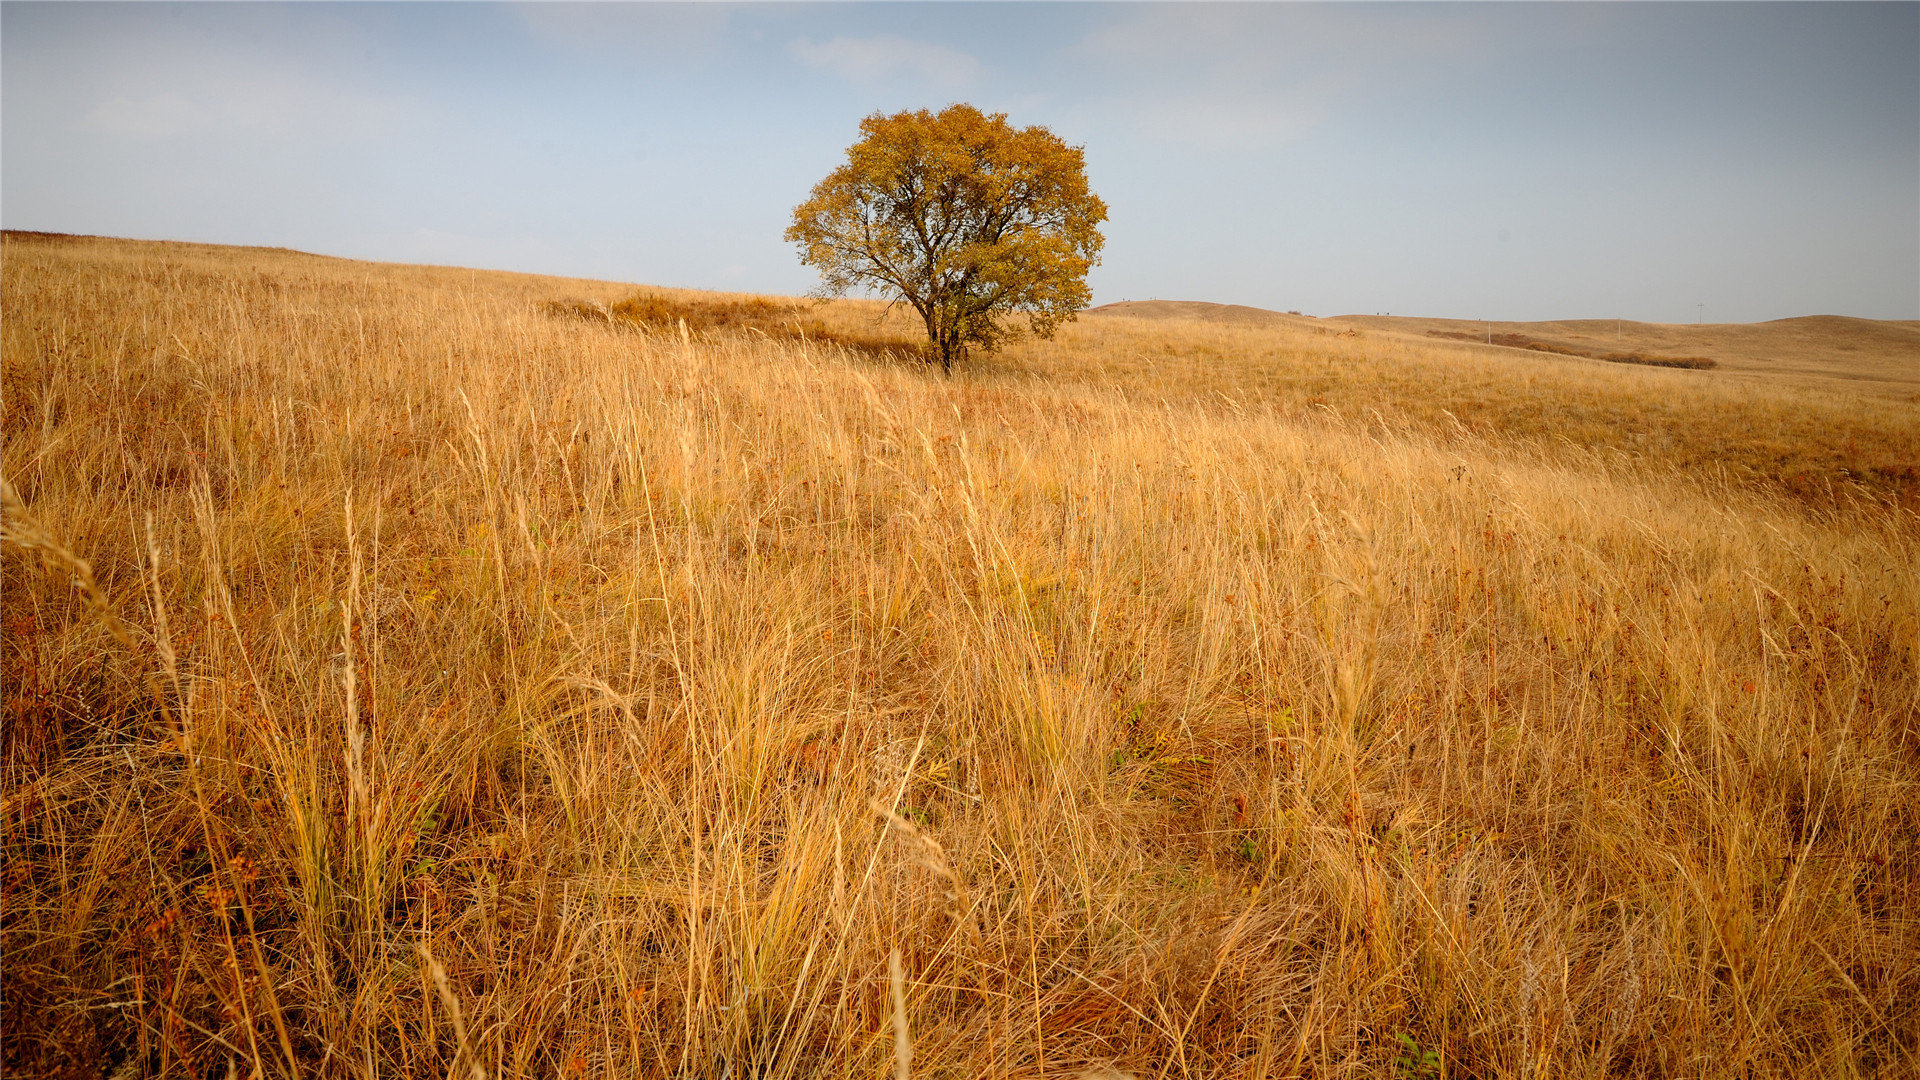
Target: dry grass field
[(1865, 356), (1873, 356), (420, 672)]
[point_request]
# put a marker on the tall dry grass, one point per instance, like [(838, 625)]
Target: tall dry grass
[(1832, 449), (510, 695)]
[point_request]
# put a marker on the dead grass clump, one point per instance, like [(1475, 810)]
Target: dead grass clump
[(657, 312), (1522, 341), (767, 319), (1693, 363)]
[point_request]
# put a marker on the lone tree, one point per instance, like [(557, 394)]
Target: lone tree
[(971, 221)]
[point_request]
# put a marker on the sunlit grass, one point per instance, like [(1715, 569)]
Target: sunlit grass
[(548, 697)]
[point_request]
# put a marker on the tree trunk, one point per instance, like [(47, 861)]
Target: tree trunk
[(942, 338)]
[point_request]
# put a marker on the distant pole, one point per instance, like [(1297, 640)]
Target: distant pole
[(1700, 317)]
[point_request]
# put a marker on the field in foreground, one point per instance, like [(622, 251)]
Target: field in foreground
[(459, 684)]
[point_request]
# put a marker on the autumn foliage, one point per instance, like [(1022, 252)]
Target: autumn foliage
[(969, 220)]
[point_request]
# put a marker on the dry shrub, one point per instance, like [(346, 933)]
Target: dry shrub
[(772, 320)]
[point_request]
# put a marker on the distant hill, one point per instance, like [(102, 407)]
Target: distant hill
[(1819, 346), (1195, 309)]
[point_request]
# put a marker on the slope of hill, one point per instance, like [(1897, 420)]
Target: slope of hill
[(1879, 355), (1198, 310), (415, 672), (1883, 355), (1822, 440)]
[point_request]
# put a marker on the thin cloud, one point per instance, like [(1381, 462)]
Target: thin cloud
[(1208, 123), (158, 117), (885, 58), (1266, 42), (254, 104), (637, 32), (1220, 77)]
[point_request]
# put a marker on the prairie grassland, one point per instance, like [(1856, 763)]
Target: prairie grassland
[(1825, 443), (1866, 356), (471, 691)]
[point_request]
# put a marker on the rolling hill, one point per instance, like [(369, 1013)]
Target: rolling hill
[(1883, 356)]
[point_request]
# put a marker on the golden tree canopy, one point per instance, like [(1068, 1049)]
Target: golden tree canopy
[(968, 219)]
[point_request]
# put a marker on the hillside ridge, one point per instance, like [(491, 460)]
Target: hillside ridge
[(1843, 347)]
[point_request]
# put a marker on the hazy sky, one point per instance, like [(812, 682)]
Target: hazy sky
[(1503, 161)]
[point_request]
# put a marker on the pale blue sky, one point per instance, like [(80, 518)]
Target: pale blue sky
[(1507, 161)]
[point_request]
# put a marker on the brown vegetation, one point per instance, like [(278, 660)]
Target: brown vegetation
[(473, 691), (1859, 356), (712, 317), (1522, 341), (1824, 442)]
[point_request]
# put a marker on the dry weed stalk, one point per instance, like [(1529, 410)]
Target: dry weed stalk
[(955, 901), (902, 1037), (475, 1069)]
